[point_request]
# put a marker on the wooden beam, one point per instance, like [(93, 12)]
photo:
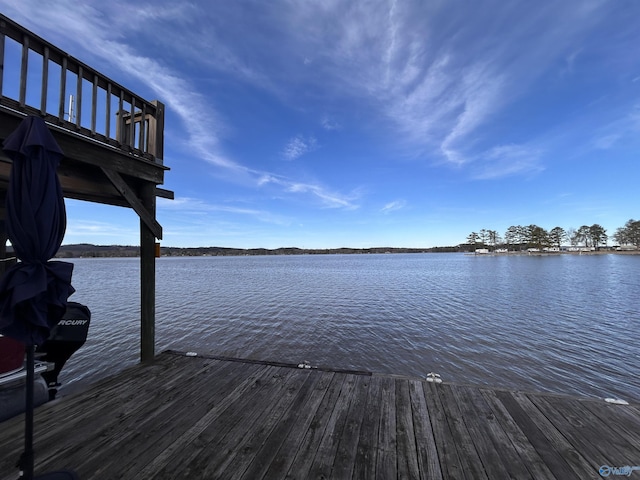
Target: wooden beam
[(145, 215), (89, 185), (147, 278), (162, 193)]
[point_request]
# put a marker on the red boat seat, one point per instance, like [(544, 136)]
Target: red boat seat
[(11, 354)]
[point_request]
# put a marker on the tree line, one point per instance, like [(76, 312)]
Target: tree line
[(533, 236), (86, 250)]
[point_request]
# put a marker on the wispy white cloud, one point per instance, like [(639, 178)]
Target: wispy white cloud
[(437, 77), (266, 178), (570, 61), (481, 93), (180, 13), (618, 130), (326, 197), (204, 129), (329, 124), (607, 141), (508, 160), (299, 146), (197, 207), (94, 227), (393, 206), (95, 223), (81, 230)]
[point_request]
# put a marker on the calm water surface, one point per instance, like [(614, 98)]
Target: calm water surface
[(561, 323)]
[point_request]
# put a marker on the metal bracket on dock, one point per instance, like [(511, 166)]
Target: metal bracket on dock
[(616, 401)]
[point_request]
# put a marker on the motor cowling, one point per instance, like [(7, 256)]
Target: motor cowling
[(65, 339)]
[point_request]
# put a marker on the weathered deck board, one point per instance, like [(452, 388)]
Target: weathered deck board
[(386, 462), (345, 457), (242, 455), (553, 455), (530, 458), (367, 451), (450, 462), (298, 425), (478, 412), (327, 449), (478, 427), (469, 456), (199, 417), (284, 438), (405, 433), (426, 447), (309, 445), (183, 411), (185, 448)]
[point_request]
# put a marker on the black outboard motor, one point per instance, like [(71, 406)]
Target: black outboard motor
[(65, 339)]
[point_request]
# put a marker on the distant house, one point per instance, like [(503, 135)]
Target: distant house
[(626, 248), (482, 251)]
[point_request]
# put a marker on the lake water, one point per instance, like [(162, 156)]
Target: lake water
[(561, 323)]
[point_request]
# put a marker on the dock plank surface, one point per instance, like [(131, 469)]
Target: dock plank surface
[(211, 417)]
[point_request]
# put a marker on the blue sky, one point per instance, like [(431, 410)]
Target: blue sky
[(322, 124)]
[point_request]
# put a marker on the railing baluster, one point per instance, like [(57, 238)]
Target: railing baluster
[(79, 97), (45, 81), (107, 121), (63, 89), (23, 72), (94, 104), (120, 126), (132, 127), (142, 133), (2, 40)]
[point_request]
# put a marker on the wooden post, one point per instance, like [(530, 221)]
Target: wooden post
[(148, 243), (147, 278), (156, 132)]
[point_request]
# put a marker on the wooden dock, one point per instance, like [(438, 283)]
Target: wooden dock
[(216, 418)]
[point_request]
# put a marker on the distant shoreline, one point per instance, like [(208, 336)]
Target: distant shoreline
[(120, 251), (89, 250), (547, 254)]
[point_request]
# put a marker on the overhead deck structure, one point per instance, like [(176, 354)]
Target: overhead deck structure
[(112, 140)]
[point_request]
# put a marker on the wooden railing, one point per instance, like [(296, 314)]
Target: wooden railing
[(37, 78)]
